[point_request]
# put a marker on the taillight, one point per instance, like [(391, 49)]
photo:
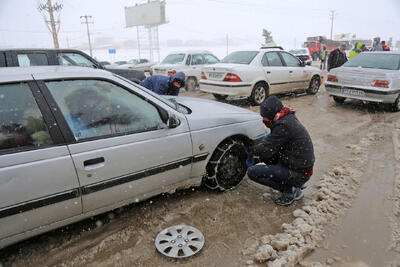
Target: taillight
[(171, 72), (384, 84), (230, 77), (203, 76), (332, 78), (308, 57)]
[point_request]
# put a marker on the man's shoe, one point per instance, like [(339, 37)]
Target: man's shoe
[(288, 198), (298, 194)]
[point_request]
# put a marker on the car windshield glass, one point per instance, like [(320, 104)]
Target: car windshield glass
[(240, 57), (298, 52), (133, 61), (375, 61), (173, 59), (309, 45)]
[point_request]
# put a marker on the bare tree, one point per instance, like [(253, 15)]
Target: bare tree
[(49, 11)]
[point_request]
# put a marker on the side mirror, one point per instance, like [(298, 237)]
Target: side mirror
[(173, 122), (302, 63)]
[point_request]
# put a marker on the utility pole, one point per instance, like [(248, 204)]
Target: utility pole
[(50, 8), (86, 17), (332, 16)]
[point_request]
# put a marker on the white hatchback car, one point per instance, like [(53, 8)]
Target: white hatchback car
[(258, 73), (188, 62), (76, 142)]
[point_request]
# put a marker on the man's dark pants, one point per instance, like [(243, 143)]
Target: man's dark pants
[(277, 176)]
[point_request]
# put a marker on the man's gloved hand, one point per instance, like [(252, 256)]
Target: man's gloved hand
[(250, 159)]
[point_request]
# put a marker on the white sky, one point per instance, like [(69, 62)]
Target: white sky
[(290, 21)]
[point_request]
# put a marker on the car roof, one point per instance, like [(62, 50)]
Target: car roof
[(189, 52), (15, 74)]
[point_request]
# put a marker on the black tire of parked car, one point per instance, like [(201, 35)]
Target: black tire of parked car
[(314, 85), (191, 83), (259, 94), (220, 97), (395, 107), (227, 166), (339, 99)]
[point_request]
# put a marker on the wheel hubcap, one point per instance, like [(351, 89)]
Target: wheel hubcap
[(259, 94), (179, 241), (315, 85)]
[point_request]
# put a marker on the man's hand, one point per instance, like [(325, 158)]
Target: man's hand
[(250, 159)]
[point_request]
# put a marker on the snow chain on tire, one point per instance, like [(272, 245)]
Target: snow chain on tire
[(221, 176)]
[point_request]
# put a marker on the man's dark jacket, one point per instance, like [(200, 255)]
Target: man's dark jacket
[(336, 59), (162, 85), (288, 142)]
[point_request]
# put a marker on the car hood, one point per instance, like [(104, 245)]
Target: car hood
[(208, 113)]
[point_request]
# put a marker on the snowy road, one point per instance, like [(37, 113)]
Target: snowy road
[(350, 213)]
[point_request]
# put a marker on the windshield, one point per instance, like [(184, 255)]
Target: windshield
[(298, 52), (375, 61), (133, 61), (240, 57), (310, 44), (173, 59)]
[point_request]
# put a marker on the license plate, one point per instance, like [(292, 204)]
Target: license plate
[(215, 75), (353, 92)]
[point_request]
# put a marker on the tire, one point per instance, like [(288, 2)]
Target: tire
[(227, 166), (220, 97), (339, 99), (259, 94), (395, 107), (191, 83), (314, 85)]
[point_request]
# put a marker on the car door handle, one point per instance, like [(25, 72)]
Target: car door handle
[(290, 71), (93, 161), (268, 72)]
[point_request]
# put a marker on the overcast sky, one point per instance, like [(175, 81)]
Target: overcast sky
[(290, 21)]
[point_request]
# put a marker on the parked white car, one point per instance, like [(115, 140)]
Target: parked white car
[(138, 64), (188, 62), (258, 73), (303, 54), (76, 142)]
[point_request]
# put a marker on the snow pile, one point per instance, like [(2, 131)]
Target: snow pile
[(336, 190), (394, 225)]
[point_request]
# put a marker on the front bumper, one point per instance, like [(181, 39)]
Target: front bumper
[(365, 94), (226, 88)]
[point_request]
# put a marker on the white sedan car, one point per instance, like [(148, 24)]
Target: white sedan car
[(258, 73), (76, 142), (188, 62)]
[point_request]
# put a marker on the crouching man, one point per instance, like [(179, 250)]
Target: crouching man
[(165, 85), (287, 152)]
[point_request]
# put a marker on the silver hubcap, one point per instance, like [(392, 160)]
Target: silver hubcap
[(179, 241), (191, 84), (259, 94), (314, 85)]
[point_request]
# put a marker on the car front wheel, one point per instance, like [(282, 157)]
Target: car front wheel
[(314, 86), (396, 105), (339, 99), (191, 83), (227, 166), (259, 94)]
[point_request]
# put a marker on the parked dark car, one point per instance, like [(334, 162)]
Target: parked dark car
[(65, 57)]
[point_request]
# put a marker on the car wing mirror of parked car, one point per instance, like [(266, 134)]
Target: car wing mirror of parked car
[(173, 121), (302, 63)]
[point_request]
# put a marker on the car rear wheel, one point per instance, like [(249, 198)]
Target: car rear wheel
[(191, 83), (259, 94), (396, 105), (220, 97), (339, 99), (227, 166), (314, 85)]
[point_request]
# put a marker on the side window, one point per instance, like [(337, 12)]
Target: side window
[(273, 59), (189, 57), (210, 59), (95, 108), (197, 59), (264, 60), (72, 59), (32, 59), (21, 122), (290, 60)]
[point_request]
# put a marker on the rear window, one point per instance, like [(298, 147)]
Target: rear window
[(240, 57), (173, 59), (375, 61)]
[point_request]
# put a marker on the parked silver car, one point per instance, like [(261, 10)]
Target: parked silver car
[(369, 76), (76, 142)]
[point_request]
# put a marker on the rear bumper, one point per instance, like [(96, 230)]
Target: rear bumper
[(372, 95), (225, 88)]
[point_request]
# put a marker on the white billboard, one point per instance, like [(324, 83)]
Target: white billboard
[(148, 14)]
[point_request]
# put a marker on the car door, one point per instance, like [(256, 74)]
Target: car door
[(297, 72), (275, 72), (38, 182), (120, 145), (197, 63)]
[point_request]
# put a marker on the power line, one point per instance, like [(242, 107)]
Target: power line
[(51, 9)]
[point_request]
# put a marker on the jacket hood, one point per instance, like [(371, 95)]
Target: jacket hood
[(180, 76), (270, 107)]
